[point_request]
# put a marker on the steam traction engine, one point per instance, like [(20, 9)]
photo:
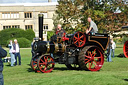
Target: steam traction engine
[(76, 51), (125, 48)]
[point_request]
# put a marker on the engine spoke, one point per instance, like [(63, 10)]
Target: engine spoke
[(88, 56), (94, 51), (45, 68), (78, 35), (42, 63), (79, 43), (87, 61), (41, 60), (81, 36), (89, 65), (41, 66), (75, 37), (76, 41), (94, 55), (95, 64)]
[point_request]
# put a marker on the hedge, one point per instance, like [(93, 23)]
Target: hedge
[(11, 33), (124, 39), (23, 42)]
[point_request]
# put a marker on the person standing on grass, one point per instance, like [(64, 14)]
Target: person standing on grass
[(11, 52), (3, 53), (32, 50), (109, 48), (17, 52), (113, 47)]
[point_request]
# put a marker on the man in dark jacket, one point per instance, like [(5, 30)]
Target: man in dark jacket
[(17, 51), (3, 53), (59, 31)]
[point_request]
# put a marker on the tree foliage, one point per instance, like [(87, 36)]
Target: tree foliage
[(73, 14)]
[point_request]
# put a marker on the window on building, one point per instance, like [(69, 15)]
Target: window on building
[(28, 27), (45, 26), (5, 15), (28, 14), (45, 14), (6, 27), (15, 26), (8, 15), (11, 26)]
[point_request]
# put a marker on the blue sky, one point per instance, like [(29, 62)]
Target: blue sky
[(25, 1)]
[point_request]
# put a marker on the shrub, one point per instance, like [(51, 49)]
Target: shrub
[(8, 34), (120, 40), (30, 34), (23, 42), (124, 39), (49, 34)]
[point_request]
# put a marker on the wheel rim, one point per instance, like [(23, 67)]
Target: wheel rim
[(46, 63), (94, 59), (34, 64), (125, 49), (79, 39)]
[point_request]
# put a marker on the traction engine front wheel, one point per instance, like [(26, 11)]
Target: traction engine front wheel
[(79, 39), (125, 49), (91, 58), (45, 63), (33, 64)]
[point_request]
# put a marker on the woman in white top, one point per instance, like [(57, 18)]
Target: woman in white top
[(113, 47), (11, 52)]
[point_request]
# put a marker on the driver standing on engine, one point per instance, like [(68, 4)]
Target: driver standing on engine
[(59, 31), (93, 27)]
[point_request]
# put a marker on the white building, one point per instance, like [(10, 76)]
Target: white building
[(25, 16)]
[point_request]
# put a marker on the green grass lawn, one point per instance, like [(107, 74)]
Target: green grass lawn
[(112, 73)]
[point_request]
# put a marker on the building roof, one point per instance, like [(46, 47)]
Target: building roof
[(30, 4)]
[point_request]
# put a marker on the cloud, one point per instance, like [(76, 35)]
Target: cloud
[(25, 1)]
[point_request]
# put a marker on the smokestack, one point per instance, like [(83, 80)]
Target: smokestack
[(40, 17)]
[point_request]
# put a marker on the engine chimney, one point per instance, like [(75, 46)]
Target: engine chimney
[(40, 17)]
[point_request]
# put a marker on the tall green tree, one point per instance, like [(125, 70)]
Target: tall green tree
[(68, 13), (73, 14)]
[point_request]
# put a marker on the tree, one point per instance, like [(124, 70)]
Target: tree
[(68, 12), (73, 14)]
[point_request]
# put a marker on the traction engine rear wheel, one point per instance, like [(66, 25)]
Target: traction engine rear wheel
[(91, 58), (79, 39), (45, 63), (34, 64), (125, 49)]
